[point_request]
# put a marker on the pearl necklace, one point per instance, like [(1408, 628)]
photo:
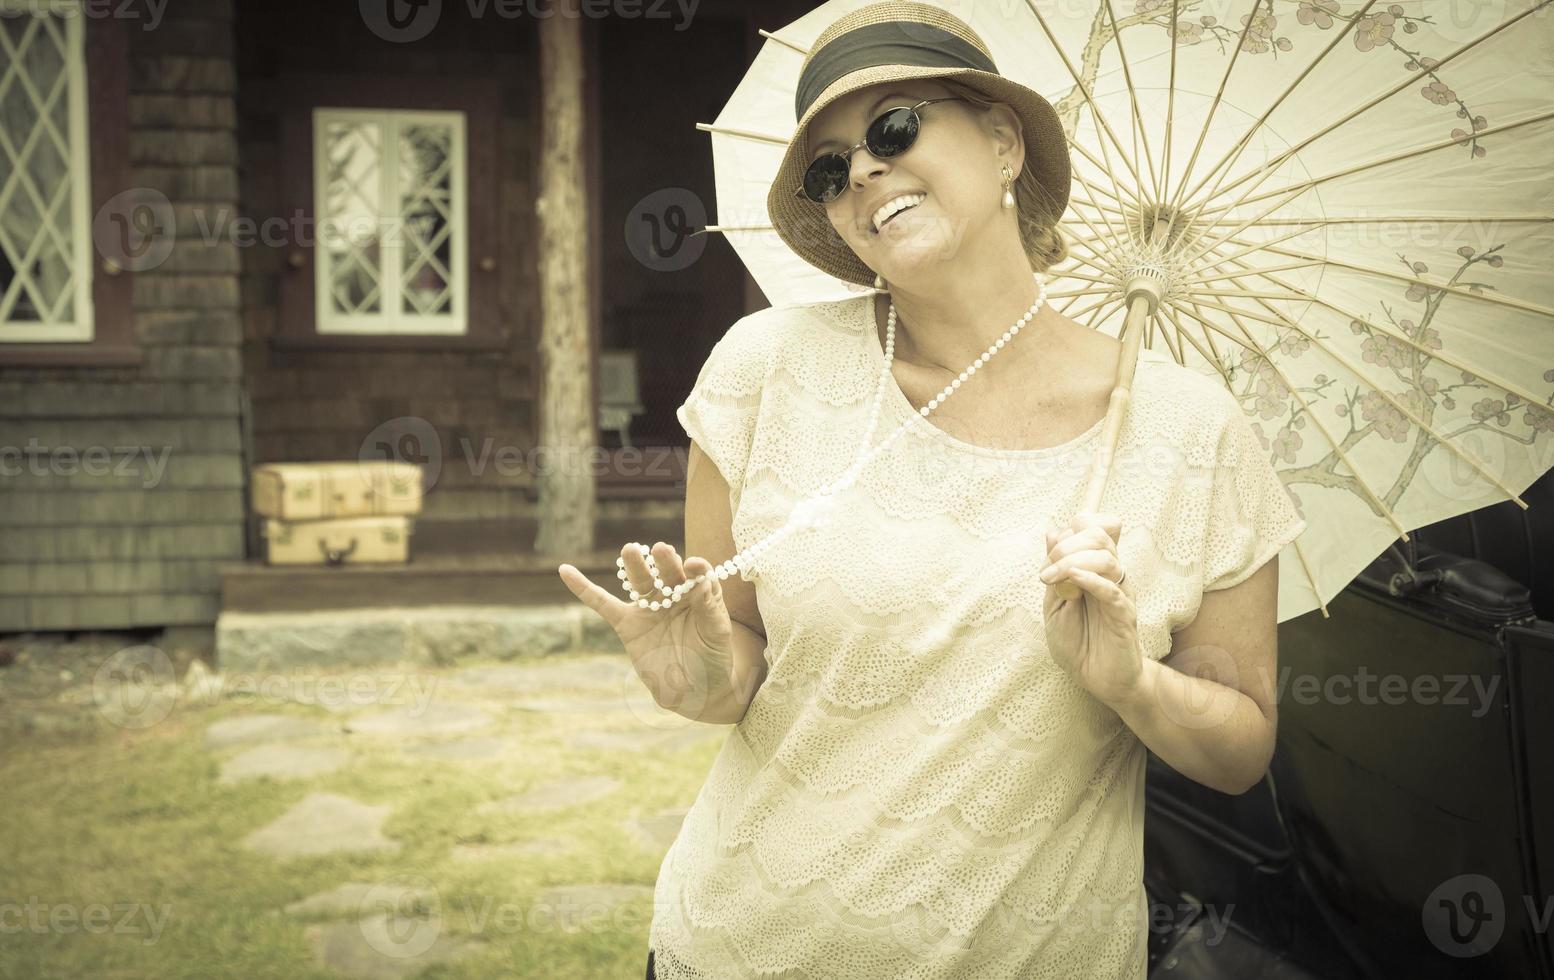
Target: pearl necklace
[(814, 510)]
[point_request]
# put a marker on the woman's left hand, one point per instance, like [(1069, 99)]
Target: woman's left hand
[(1094, 636)]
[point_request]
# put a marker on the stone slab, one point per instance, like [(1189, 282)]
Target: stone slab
[(324, 823), (386, 947), (433, 635)]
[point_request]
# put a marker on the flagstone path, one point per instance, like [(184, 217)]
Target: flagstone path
[(479, 714)]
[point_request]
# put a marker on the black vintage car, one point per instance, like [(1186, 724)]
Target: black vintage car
[(1405, 828)]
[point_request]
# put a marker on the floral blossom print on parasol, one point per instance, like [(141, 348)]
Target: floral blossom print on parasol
[(1339, 210)]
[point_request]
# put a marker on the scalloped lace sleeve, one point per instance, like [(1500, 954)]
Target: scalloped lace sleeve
[(721, 411), (1251, 516)]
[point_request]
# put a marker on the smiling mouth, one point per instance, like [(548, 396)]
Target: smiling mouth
[(876, 231)]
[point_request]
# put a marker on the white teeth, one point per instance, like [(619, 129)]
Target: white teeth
[(894, 205)]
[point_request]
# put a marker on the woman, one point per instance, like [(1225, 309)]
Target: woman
[(937, 764)]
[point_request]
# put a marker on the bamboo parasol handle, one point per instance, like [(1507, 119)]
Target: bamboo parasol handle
[(1144, 291), (1116, 411)]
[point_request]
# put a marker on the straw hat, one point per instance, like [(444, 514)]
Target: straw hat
[(891, 41)]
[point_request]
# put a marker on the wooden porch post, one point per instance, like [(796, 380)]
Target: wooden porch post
[(566, 417)]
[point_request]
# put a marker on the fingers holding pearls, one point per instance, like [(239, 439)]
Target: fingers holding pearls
[(633, 570), (655, 586)]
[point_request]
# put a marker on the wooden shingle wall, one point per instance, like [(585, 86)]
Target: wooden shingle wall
[(133, 538)]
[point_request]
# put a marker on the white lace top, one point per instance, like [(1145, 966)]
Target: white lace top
[(917, 790)]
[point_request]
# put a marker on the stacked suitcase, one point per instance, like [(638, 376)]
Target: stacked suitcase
[(337, 513)]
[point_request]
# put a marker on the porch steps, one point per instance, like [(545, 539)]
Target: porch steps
[(249, 643), (471, 587), (510, 581)]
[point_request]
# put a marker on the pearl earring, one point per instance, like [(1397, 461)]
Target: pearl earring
[(879, 282), (1008, 192)]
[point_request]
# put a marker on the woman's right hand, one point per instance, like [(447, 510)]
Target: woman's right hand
[(684, 654)]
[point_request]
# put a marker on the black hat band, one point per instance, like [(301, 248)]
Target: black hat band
[(892, 43)]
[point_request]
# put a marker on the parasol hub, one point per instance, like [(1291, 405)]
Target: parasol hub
[(1148, 280)]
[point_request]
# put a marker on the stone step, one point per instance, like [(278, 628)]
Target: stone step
[(478, 577), (248, 642)]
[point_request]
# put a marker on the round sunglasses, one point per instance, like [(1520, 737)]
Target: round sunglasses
[(890, 135)]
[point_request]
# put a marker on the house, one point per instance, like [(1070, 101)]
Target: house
[(235, 232)]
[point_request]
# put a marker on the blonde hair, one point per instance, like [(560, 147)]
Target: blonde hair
[(1034, 207)]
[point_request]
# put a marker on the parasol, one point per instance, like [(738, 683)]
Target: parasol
[(1340, 210)]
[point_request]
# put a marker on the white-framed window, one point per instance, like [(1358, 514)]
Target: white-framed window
[(45, 174), (390, 191)]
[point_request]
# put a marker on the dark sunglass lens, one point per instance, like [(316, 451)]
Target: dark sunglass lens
[(893, 133), (825, 178)]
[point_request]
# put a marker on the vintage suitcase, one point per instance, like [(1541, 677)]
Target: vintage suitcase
[(349, 488), (382, 539)]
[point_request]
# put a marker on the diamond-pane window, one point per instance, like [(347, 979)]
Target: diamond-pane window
[(389, 190), (45, 233)]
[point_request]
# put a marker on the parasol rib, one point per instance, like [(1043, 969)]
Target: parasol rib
[(1499, 299), (1293, 234), (1213, 243), (1388, 396), (1223, 165), (1133, 102), (1200, 280), (782, 41), (1074, 274), (1380, 162), (1165, 154), (1086, 219), (1354, 470), (1208, 119), (1378, 99), (1107, 309), (728, 228), (1101, 263), (1300, 552), (1217, 360), (1105, 168), (1110, 275), (1355, 219), (1159, 320), (1183, 334), (1085, 91), (1404, 339), (1105, 300), (1111, 172), (1435, 433), (743, 134)]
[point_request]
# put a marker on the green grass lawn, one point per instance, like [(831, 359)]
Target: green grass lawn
[(123, 855)]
